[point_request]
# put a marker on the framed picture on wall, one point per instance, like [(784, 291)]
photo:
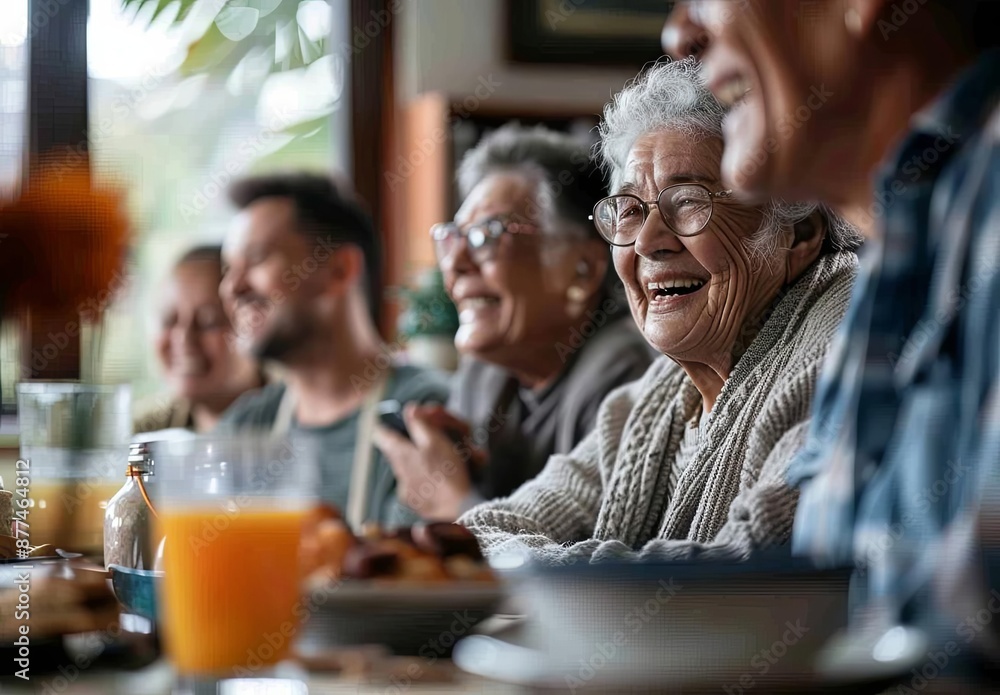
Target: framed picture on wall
[(588, 32)]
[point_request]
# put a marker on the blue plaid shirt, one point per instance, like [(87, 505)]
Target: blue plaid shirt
[(907, 417)]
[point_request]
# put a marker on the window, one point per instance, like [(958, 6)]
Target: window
[(13, 106), (172, 135), (175, 136)]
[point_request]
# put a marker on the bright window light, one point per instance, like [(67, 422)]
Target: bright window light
[(14, 22), (128, 50), (313, 16)]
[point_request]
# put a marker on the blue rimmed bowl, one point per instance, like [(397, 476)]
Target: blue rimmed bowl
[(136, 590)]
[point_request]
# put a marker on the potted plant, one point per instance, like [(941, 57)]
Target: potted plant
[(429, 322)]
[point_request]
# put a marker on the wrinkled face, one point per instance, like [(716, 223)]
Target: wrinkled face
[(518, 297), (273, 282), (796, 85), (193, 343), (692, 296)]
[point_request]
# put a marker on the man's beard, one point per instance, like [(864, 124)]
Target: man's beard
[(287, 334), (282, 341)]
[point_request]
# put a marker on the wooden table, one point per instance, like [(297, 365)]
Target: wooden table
[(156, 680)]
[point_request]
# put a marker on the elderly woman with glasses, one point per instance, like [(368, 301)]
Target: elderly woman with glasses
[(544, 331), (742, 301)]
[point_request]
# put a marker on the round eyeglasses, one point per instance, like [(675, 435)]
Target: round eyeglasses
[(686, 209), (483, 238)]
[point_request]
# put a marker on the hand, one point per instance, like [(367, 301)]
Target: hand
[(432, 471)]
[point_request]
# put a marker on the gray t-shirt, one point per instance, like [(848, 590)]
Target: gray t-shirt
[(521, 428), (335, 442)]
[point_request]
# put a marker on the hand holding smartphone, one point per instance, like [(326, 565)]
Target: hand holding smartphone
[(390, 414)]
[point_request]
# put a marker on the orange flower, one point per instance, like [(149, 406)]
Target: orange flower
[(62, 242)]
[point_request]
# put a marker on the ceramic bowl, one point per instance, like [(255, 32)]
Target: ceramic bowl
[(136, 590)]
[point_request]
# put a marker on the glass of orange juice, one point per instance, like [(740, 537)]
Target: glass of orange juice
[(231, 509)]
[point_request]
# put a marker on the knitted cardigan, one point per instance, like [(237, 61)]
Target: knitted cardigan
[(618, 493)]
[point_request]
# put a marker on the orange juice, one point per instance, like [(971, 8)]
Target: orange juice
[(230, 586)]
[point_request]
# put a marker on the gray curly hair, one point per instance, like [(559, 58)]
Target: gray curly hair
[(671, 95)]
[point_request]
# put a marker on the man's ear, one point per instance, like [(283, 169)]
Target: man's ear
[(807, 237), (344, 268)]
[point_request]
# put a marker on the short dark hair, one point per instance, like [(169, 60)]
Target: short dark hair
[(202, 254), (325, 208)]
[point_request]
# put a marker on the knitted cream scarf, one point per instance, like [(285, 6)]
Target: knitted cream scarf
[(644, 491)]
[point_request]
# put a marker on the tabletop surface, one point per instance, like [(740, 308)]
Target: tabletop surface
[(157, 680)]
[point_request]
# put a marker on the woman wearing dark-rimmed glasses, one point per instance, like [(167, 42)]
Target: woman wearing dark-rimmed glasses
[(544, 331), (741, 301)]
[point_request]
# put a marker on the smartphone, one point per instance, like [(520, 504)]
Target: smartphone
[(390, 414)]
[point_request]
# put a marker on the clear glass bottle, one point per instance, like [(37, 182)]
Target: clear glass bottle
[(129, 533)]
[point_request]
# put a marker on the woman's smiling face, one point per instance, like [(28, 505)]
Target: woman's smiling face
[(692, 296)]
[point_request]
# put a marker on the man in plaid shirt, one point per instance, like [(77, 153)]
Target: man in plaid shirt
[(907, 415), (906, 429)]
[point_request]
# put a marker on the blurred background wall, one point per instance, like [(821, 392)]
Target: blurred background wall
[(183, 96)]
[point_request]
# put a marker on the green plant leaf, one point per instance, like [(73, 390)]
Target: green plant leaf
[(186, 7), (237, 23), (137, 6), (240, 27), (207, 52), (160, 7), (265, 7), (309, 50), (305, 128)]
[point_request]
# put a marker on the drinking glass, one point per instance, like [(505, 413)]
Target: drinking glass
[(231, 509), (74, 446)]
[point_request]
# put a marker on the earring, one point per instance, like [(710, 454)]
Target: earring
[(576, 296), (852, 20), (582, 268)]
